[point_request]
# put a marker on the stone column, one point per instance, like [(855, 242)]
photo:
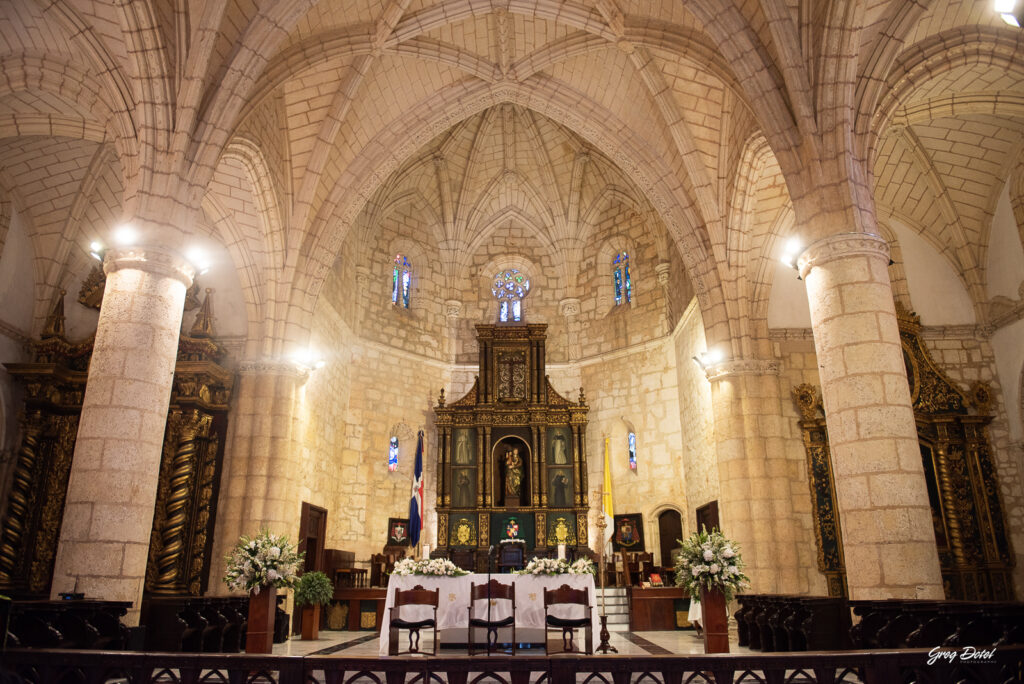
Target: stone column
[(888, 538), (108, 514), (259, 481), (570, 308), (662, 270), (452, 311), (760, 499)]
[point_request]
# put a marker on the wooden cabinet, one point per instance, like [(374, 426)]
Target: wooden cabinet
[(653, 609)]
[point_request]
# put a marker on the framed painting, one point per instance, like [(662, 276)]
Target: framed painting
[(559, 446), (629, 532), (464, 447), (398, 532)]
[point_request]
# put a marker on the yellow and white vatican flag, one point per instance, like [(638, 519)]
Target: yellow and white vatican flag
[(606, 499)]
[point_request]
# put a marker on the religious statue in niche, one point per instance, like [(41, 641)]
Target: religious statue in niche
[(513, 473), (463, 494), (559, 489), (559, 454), (463, 448)]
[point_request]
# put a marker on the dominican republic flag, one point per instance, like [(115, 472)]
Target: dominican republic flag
[(416, 501)]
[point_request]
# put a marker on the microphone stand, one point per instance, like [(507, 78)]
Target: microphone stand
[(490, 561)]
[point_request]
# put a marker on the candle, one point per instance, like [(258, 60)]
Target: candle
[(561, 552)]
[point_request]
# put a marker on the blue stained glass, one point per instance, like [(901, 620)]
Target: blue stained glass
[(618, 286), (401, 279), (516, 311), (629, 284), (509, 288), (503, 312), (393, 455), (632, 450)]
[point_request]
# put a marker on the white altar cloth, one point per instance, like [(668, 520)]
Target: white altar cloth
[(454, 600)]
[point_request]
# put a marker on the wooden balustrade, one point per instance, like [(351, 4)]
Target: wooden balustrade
[(869, 667)]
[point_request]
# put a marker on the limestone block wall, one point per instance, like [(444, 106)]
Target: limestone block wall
[(512, 245), (605, 326), (415, 329), (696, 418), (637, 390)]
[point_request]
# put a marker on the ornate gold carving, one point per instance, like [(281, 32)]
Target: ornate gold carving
[(484, 525), (981, 397), (581, 529), (54, 326), (21, 499), (91, 292), (540, 527), (55, 484), (442, 529), (807, 400), (510, 372)]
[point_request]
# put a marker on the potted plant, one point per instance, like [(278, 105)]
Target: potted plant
[(711, 569), (261, 565), (313, 590)]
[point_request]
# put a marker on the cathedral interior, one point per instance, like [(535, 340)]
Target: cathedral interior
[(765, 255)]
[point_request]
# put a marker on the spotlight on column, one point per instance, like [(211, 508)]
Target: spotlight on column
[(308, 360), (790, 253), (125, 236), (197, 257), (709, 358), (1009, 10), (96, 250)]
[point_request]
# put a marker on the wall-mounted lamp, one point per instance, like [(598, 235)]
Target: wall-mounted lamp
[(308, 360), (790, 253), (709, 358), (125, 236), (1012, 11), (96, 250), (197, 257)]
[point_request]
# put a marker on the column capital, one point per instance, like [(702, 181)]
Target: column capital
[(729, 369), (839, 246), (569, 306), (662, 269), (452, 308), (155, 259), (273, 367)]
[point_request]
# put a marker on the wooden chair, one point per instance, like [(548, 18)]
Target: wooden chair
[(464, 559), (511, 557), (566, 595), (417, 596), (494, 590)]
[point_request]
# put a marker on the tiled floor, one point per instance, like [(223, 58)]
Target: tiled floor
[(683, 642)]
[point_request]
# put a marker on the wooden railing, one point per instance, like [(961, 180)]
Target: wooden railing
[(1005, 664)]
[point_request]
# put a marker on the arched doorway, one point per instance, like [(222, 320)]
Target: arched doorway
[(670, 531)]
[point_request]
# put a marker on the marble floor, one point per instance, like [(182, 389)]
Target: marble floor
[(348, 644)]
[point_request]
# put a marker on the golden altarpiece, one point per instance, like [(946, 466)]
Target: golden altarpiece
[(54, 386), (511, 455), (960, 473)]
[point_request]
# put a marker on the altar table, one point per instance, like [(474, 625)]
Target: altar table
[(453, 618)]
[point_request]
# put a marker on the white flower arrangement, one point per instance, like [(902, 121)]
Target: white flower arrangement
[(553, 566), (441, 567), (266, 560), (709, 560)]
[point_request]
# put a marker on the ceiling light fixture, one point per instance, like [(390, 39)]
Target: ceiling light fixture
[(790, 254), (96, 250), (1009, 11), (197, 257), (125, 236)]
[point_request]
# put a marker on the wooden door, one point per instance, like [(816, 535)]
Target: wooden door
[(707, 515), (670, 531), (312, 538)]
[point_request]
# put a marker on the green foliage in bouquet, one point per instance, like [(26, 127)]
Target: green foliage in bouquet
[(266, 560), (711, 561)]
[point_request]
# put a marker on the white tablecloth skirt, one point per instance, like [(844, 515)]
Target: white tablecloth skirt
[(454, 600)]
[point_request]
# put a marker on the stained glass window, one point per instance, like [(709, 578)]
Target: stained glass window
[(400, 281), (393, 455), (623, 282), (509, 288), (632, 451)]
